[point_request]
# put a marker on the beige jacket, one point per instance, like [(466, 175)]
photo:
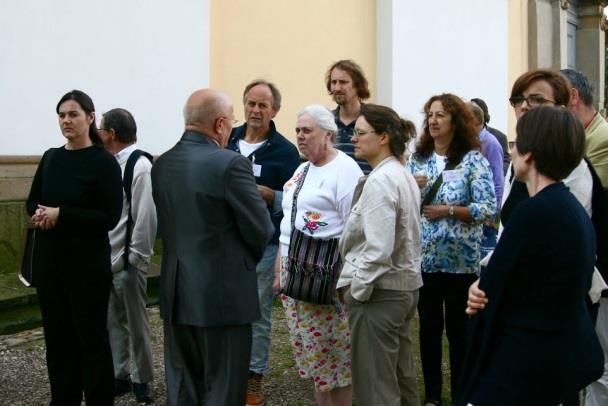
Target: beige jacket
[(596, 146), (380, 244)]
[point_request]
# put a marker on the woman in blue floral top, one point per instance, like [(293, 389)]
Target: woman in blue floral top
[(452, 222)]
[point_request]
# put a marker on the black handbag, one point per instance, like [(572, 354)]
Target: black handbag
[(428, 199), (313, 264), (28, 260), (26, 273)]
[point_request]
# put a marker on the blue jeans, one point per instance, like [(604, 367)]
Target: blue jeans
[(260, 329)]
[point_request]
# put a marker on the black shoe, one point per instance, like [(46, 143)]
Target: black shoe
[(142, 393), (122, 386)]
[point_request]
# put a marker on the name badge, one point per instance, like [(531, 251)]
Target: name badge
[(257, 170), (451, 176)]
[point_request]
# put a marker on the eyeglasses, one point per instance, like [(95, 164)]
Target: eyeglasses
[(360, 133), (533, 100), (103, 129)]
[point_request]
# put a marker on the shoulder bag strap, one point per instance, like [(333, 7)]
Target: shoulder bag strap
[(294, 203), (436, 185), (127, 181)]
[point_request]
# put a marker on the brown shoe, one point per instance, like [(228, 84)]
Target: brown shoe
[(255, 396)]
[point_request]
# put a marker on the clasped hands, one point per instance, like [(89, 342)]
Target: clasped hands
[(45, 217)]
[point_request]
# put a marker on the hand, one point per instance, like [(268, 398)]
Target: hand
[(341, 292), (477, 299), (266, 193), (46, 217), (435, 211), (421, 180), (276, 284)]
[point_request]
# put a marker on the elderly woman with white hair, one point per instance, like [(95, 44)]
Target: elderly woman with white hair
[(316, 205)]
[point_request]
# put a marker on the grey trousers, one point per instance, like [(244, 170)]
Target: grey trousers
[(207, 365), (383, 367), (129, 327)]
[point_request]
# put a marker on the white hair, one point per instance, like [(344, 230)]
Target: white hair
[(321, 116)]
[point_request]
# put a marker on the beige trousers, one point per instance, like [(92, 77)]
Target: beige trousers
[(383, 367)]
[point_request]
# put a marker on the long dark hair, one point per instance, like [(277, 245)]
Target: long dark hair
[(466, 137), (85, 102)]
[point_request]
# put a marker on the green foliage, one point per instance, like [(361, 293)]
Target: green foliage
[(13, 218)]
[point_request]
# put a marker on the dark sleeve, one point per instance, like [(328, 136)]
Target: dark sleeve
[(33, 199), (517, 195), (292, 161), (492, 281), (108, 197), (252, 218), (514, 237)]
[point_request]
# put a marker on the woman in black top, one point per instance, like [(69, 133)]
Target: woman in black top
[(532, 341), (75, 199)]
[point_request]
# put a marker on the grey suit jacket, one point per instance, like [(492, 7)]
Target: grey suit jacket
[(214, 226)]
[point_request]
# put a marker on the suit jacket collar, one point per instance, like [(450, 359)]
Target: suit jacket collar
[(200, 138)]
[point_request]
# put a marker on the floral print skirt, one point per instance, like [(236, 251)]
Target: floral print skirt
[(321, 341)]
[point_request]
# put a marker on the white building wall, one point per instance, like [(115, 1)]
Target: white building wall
[(459, 47), (145, 56)]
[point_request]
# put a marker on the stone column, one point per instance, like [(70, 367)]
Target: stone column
[(590, 44), (543, 33)]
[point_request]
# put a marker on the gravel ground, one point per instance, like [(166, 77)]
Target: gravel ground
[(24, 382)]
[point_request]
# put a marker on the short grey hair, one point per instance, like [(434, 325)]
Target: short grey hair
[(580, 82), (207, 113), (322, 117), (477, 112), (276, 94)]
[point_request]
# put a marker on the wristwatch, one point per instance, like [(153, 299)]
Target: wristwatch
[(451, 211)]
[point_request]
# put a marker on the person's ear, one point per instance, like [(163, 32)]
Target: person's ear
[(91, 117), (217, 125), (274, 112), (574, 97), (384, 138)]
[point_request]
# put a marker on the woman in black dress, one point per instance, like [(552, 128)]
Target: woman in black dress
[(75, 199), (533, 342)]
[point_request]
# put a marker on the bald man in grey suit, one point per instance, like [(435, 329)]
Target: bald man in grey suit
[(214, 227)]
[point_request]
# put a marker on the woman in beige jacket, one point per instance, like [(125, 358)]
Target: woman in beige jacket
[(381, 251)]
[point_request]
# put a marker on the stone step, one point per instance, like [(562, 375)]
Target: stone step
[(21, 312)]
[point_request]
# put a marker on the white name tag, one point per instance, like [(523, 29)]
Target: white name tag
[(257, 170), (451, 176)]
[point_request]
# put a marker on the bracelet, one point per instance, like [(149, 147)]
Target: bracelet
[(451, 211)]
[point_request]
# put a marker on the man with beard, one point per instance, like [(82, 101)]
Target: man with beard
[(348, 86)]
